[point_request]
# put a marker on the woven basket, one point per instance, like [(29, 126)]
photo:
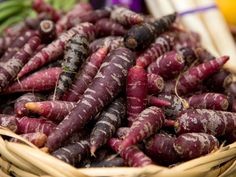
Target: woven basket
[(26, 160)]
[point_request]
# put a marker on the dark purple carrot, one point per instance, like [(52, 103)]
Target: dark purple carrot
[(155, 101), (217, 123), (42, 80), (191, 145), (155, 83), (73, 153), (34, 22), (163, 44), (10, 68), (106, 85), (190, 80), (132, 155), (52, 110), (122, 131), (32, 125), (9, 121), (213, 101), (41, 6), (125, 16), (107, 27), (136, 92), (109, 121), (188, 54), (85, 76), (231, 90), (19, 105), (113, 162), (47, 31), (38, 139), (56, 48), (141, 36), (160, 148), (147, 123), (168, 65)]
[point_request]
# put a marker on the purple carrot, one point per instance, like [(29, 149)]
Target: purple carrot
[(107, 84), (107, 27), (168, 65), (132, 155), (47, 31), (86, 75), (56, 48), (109, 121), (187, 39), (122, 131), (155, 83), (32, 125), (15, 30), (155, 101), (203, 54), (34, 22), (113, 162), (5, 42), (188, 54), (163, 44), (147, 123), (192, 145), (42, 80), (52, 110), (9, 121)]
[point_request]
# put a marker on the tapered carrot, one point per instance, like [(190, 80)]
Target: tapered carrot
[(9, 121), (155, 83)]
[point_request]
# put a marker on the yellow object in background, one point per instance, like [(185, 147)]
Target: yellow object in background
[(228, 8)]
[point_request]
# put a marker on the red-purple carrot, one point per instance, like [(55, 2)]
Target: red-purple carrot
[(155, 101), (132, 155), (125, 16), (52, 110), (213, 101), (86, 75), (73, 153), (32, 125), (41, 6), (42, 80), (109, 121), (163, 44), (47, 31), (5, 42), (107, 27), (141, 36), (155, 83), (106, 85), (147, 123), (192, 145), (136, 92), (122, 131), (15, 30), (160, 148), (168, 65), (38, 139), (76, 52), (56, 48), (9, 121)]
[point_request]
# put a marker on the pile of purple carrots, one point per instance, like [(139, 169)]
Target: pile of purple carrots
[(110, 87)]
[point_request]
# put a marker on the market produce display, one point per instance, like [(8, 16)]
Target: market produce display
[(107, 87)]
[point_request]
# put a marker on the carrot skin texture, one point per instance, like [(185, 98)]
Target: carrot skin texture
[(105, 86), (9, 121), (132, 155), (39, 81), (51, 110), (155, 83), (160, 148), (168, 65), (76, 52), (121, 132), (5, 42), (38, 139), (47, 31), (147, 123), (192, 145), (155, 101), (163, 44), (86, 75), (107, 27), (32, 125), (136, 92), (56, 48), (141, 36), (73, 153), (188, 54), (109, 121), (213, 101)]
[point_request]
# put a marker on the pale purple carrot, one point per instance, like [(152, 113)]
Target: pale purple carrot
[(155, 83), (85, 76), (42, 80), (106, 85), (147, 123), (9, 121), (132, 155), (168, 65), (52, 110), (32, 125), (192, 145), (155, 101), (47, 31), (56, 48)]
